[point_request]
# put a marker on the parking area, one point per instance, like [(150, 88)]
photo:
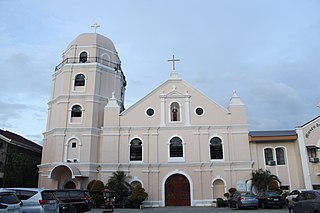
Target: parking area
[(191, 210)]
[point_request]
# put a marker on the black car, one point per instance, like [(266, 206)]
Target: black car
[(73, 199), (307, 201), (270, 199)]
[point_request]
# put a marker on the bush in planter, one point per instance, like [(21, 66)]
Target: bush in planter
[(138, 195), (232, 191), (95, 188), (221, 202)]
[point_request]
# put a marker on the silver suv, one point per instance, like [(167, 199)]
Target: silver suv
[(37, 200)]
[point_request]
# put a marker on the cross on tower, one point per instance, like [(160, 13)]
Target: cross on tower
[(95, 26), (173, 60)]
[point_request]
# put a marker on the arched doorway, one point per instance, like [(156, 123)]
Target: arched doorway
[(177, 191), (70, 185), (218, 188)]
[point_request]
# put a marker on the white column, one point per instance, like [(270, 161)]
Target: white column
[(187, 109), (304, 159), (162, 111)]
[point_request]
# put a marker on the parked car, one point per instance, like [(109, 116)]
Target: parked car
[(78, 198), (9, 202), (307, 202), (291, 195), (243, 200), (270, 199), (37, 200)]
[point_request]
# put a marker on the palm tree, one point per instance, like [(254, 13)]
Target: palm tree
[(118, 183), (262, 179)]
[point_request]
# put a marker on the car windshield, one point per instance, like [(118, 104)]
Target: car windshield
[(247, 194), (9, 198), (76, 194)]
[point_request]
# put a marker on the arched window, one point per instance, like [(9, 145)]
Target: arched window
[(73, 150), (176, 148), (76, 111), (79, 80), (175, 111), (268, 156), (105, 59), (280, 156), (216, 151), (136, 150), (83, 57)]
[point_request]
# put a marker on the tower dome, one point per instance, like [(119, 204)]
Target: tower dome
[(92, 47), (93, 39)]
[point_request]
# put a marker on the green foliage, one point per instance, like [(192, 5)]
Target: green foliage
[(95, 188), (221, 202), (232, 191), (138, 195), (118, 183), (227, 195), (262, 179), (90, 185), (20, 171)]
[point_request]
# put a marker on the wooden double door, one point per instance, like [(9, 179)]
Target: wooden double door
[(177, 191)]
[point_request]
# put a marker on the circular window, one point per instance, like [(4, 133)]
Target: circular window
[(199, 111), (150, 112)]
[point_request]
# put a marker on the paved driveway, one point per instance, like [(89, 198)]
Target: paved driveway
[(192, 210)]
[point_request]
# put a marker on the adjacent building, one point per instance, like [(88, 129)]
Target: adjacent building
[(19, 158)]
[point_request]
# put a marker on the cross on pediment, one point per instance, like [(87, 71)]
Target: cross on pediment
[(173, 60)]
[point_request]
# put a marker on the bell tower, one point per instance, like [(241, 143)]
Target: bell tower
[(88, 76)]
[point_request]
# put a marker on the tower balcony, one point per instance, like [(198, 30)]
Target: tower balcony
[(77, 60)]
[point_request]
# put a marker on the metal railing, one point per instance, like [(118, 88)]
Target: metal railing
[(78, 60)]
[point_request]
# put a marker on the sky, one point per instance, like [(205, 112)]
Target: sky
[(266, 50)]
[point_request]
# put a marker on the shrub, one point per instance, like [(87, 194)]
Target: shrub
[(221, 202), (227, 195), (95, 188), (138, 195), (232, 191)]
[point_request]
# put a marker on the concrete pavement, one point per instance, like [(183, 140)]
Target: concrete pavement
[(190, 210)]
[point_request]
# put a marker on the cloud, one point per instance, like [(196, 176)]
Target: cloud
[(8, 111), (274, 105), (275, 95)]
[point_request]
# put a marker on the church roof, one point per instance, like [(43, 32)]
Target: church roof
[(273, 136), (273, 133), (93, 39), (309, 122)]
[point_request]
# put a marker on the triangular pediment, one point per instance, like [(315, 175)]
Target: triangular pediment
[(174, 93), (175, 89)]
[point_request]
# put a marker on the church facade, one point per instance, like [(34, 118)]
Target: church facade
[(180, 146)]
